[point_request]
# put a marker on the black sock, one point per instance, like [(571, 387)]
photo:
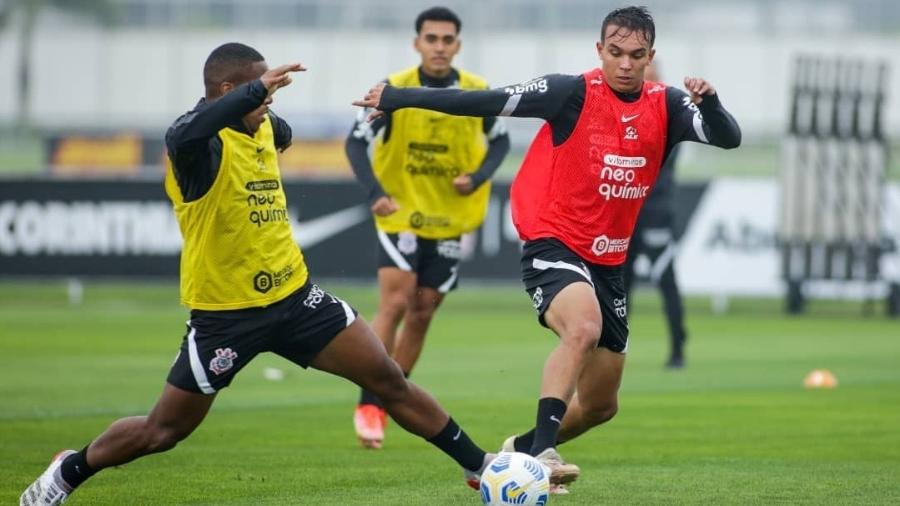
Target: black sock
[(75, 469), (549, 417), (523, 443), (367, 397), (453, 441)]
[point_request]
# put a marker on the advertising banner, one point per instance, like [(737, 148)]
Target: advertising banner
[(127, 229)]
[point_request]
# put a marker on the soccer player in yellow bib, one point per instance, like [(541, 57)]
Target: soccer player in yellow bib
[(244, 279), (427, 184)]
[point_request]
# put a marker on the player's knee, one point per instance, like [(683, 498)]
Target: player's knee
[(420, 313), (583, 335), (393, 305), (163, 438), (391, 385), (395, 390), (601, 412)]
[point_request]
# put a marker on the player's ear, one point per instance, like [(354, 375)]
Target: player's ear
[(652, 54), (225, 87), (599, 48)]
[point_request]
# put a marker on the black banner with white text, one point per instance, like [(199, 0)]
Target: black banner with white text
[(48, 228)]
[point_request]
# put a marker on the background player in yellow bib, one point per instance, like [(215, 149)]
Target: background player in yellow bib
[(427, 184), (247, 286)]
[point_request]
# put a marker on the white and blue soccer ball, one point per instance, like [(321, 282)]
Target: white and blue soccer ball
[(515, 478)]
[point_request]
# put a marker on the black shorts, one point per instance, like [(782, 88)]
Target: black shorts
[(218, 344), (435, 261), (548, 266)]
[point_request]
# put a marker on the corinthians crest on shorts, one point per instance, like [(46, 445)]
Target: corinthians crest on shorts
[(223, 361)]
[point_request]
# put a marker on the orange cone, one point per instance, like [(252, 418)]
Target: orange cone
[(820, 378)]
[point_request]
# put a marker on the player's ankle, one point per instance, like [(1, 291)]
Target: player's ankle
[(75, 470)]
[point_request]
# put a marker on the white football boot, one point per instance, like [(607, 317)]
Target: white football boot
[(48, 489), (509, 445), (560, 472)]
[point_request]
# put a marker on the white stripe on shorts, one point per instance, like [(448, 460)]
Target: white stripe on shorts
[(544, 265), (197, 366), (393, 252), (454, 273), (349, 312)]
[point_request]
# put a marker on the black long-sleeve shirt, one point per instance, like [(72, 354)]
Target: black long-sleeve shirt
[(559, 98), (364, 132), (193, 143)]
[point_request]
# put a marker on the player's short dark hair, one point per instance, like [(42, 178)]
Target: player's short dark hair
[(437, 14), (631, 18), (226, 62)]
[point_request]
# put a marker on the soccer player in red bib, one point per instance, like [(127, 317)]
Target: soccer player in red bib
[(575, 201)]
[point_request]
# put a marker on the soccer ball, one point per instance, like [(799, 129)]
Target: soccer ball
[(515, 479)]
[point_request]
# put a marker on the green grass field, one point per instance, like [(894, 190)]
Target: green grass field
[(735, 427)]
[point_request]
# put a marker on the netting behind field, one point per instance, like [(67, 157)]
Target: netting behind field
[(833, 175)]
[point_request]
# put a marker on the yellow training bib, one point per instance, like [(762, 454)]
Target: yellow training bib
[(238, 248), (417, 164)]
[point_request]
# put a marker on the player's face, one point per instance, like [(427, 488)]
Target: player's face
[(625, 55), (438, 43)]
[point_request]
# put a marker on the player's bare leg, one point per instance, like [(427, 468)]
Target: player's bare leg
[(358, 355), (595, 402), (419, 313), (176, 414), (174, 417), (597, 398), (574, 314), (396, 288)]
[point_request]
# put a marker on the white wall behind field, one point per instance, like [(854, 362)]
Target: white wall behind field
[(143, 79)]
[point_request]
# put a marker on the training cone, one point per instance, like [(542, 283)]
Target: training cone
[(820, 378)]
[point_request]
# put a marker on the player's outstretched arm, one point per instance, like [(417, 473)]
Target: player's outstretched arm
[(480, 103), (205, 122), (542, 97), (280, 76)]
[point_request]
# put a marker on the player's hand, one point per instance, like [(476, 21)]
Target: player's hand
[(463, 184), (385, 206), (279, 77), (372, 100), (698, 88)]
